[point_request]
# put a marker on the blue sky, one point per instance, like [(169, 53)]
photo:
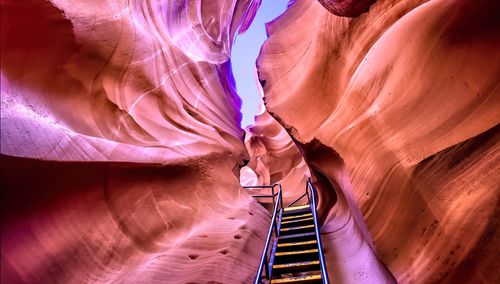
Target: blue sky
[(245, 52)]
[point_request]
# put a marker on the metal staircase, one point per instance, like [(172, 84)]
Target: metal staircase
[(296, 255)]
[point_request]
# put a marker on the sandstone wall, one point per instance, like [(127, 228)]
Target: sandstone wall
[(274, 158), (396, 112), (121, 143)]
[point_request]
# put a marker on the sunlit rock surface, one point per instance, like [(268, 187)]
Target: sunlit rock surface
[(396, 111), (121, 143), (121, 81)]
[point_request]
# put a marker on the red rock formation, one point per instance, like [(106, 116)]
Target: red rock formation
[(396, 112), (274, 158), (114, 79), (348, 8), (144, 90), (121, 142), (74, 222)]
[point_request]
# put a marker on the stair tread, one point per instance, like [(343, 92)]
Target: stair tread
[(297, 279), (301, 235), (296, 252), (298, 207), (298, 220), (297, 228), (296, 243), (295, 264), (296, 216)]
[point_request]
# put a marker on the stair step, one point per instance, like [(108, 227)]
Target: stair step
[(295, 221), (296, 216), (296, 252), (295, 256), (299, 279), (293, 244), (296, 210), (295, 264), (298, 207), (297, 237), (298, 229), (295, 267)]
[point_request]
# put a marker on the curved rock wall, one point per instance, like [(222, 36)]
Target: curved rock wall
[(149, 77), (102, 222), (396, 112), (274, 158), (121, 143)]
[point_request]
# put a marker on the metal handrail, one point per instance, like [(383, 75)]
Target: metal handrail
[(263, 259), (302, 196), (260, 186), (324, 274), (272, 195), (278, 206), (297, 199), (266, 195)]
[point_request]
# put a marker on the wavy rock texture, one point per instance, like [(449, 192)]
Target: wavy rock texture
[(144, 90), (148, 77), (94, 222), (396, 112), (121, 140), (274, 158)]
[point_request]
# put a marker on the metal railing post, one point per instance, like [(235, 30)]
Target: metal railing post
[(324, 274), (281, 196), (266, 262), (272, 192), (308, 192), (263, 259)]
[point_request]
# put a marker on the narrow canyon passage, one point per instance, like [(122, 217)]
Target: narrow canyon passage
[(123, 156)]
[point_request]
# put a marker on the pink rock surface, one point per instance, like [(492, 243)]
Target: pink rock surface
[(122, 81), (396, 112), (121, 143), (96, 222), (274, 158)]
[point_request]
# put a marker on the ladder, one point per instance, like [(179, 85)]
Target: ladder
[(296, 255)]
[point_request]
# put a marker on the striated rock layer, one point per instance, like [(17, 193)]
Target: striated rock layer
[(97, 222), (274, 158), (396, 113), (121, 143), (127, 80)]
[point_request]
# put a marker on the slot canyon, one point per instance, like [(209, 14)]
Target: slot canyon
[(123, 158)]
